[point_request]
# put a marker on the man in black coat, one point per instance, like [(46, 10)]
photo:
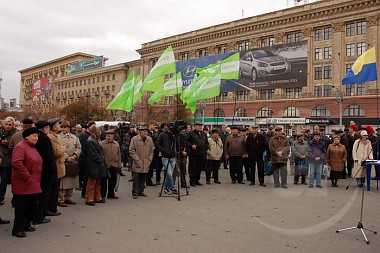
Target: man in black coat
[(197, 145), (48, 199), (255, 147)]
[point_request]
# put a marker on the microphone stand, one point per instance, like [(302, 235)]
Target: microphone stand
[(360, 225)]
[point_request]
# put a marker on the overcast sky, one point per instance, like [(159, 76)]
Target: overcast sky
[(36, 31)]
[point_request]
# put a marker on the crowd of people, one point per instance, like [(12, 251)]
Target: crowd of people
[(46, 160)]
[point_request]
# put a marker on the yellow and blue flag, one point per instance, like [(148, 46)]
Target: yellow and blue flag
[(363, 70)]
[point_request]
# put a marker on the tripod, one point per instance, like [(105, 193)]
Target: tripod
[(360, 223), (176, 168)]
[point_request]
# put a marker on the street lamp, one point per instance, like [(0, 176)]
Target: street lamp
[(339, 94)]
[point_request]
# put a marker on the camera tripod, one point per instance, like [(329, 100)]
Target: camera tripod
[(360, 225), (179, 173)]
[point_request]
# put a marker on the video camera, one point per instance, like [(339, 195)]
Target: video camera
[(177, 126)]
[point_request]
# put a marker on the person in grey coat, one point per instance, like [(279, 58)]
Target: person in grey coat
[(299, 152), (279, 148)]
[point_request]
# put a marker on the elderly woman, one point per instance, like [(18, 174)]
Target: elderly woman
[(26, 181), (336, 155), (96, 168), (362, 150)]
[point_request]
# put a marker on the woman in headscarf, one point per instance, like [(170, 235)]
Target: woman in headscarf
[(362, 150), (336, 155), (26, 181)]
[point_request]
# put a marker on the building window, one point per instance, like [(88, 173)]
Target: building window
[(243, 96), (222, 49), (103, 78), (246, 45), (320, 111), (291, 111), (290, 38), (263, 94), (348, 67), (317, 73), (271, 94), (246, 95), (328, 33), (289, 93), (113, 77), (239, 96), (350, 49), (297, 92), (219, 113), (298, 36), (272, 41), (350, 29), (361, 27), (203, 53), (350, 90), (185, 56), (327, 90), (361, 48), (327, 52), (318, 91), (318, 34), (84, 82), (353, 111), (113, 88), (98, 79), (327, 72), (269, 41), (264, 42), (360, 89), (264, 112), (241, 112), (318, 54)]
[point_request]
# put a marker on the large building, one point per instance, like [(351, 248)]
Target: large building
[(332, 33), (292, 63)]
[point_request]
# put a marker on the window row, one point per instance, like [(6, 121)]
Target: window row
[(352, 29), (86, 81)]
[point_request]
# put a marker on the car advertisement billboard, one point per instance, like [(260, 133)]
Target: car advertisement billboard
[(43, 88), (279, 66), (93, 63)]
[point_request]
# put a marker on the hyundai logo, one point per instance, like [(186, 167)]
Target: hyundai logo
[(189, 71)]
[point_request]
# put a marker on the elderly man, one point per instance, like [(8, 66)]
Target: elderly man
[(234, 150), (6, 131), (279, 148), (255, 147), (299, 153), (112, 156), (316, 155), (17, 137), (73, 148), (141, 151)]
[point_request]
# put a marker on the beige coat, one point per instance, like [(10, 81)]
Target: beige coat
[(59, 152), (141, 153), (361, 152), (336, 155), (215, 149), (111, 151), (73, 146)]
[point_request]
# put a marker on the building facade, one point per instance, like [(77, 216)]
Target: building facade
[(336, 33)]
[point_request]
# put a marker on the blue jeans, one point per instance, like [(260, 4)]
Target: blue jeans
[(168, 165), (5, 174), (315, 169)]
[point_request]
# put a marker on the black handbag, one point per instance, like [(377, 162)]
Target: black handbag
[(72, 169)]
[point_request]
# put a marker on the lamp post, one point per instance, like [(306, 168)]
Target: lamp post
[(339, 94)]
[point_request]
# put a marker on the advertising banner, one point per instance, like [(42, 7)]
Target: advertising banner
[(279, 66), (43, 88), (275, 121), (93, 63)]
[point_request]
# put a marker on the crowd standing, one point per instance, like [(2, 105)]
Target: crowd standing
[(46, 160)]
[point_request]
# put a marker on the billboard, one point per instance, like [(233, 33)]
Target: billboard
[(93, 63), (43, 88), (279, 66)]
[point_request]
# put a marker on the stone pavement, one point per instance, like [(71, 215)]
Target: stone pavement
[(213, 218)]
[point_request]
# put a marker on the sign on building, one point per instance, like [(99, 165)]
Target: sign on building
[(93, 63)]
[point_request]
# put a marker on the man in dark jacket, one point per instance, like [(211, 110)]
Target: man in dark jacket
[(255, 147), (316, 155), (48, 199), (279, 148), (197, 145), (234, 149)]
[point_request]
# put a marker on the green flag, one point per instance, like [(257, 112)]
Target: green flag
[(171, 87), (210, 87), (229, 68), (192, 105), (166, 64), (135, 95), (119, 102), (193, 86)]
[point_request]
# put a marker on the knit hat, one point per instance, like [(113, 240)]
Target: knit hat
[(29, 131)]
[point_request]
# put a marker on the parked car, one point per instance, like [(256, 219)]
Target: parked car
[(263, 62)]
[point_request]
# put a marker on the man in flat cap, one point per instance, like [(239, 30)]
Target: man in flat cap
[(197, 146), (299, 152), (255, 147), (316, 155), (112, 156), (234, 149), (17, 137), (279, 148), (141, 151)]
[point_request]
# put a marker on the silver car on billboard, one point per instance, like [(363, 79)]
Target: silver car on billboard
[(261, 63)]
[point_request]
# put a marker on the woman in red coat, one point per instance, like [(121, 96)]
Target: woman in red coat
[(26, 181), (336, 155)]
